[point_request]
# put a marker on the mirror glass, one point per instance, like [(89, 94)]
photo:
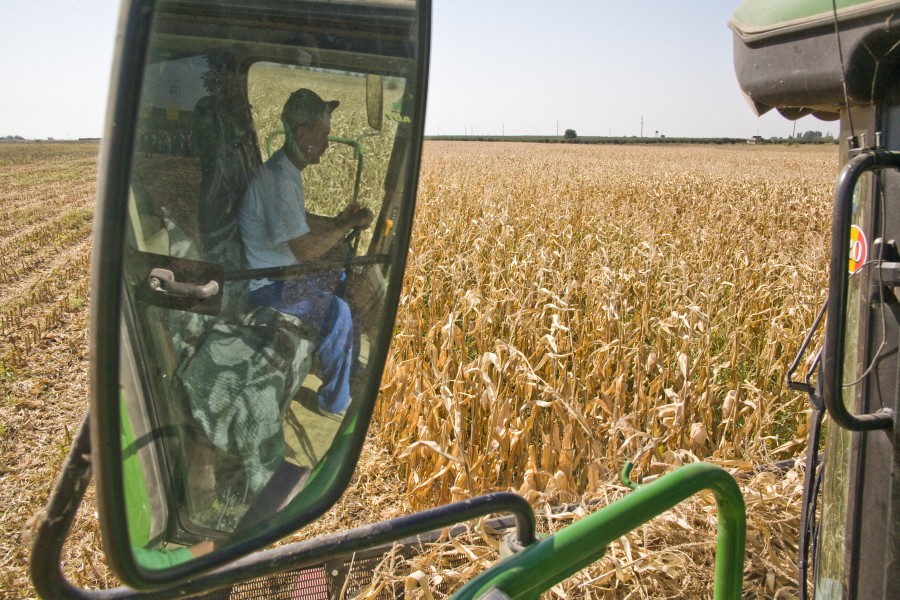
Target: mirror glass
[(260, 244)]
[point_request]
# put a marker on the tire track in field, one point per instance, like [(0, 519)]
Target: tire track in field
[(43, 357), (35, 153), (25, 177), (14, 290), (28, 319), (45, 405), (43, 380), (23, 211), (27, 251), (45, 164)]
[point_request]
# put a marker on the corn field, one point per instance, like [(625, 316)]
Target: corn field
[(570, 308), (565, 309)]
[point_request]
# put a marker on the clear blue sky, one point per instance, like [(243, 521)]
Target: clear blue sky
[(502, 66)]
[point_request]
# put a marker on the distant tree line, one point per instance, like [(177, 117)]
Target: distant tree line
[(19, 138), (570, 137), (811, 136), (577, 139)]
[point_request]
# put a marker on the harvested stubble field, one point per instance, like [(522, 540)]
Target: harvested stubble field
[(565, 309)]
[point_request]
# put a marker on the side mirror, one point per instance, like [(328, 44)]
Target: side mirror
[(236, 349)]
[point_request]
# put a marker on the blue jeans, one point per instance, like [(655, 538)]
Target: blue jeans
[(312, 300)]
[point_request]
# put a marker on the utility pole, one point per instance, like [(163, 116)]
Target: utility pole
[(557, 128), (642, 125)]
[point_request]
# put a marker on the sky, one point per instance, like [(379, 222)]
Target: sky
[(514, 67)]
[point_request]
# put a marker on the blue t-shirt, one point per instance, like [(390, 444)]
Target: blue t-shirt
[(272, 213)]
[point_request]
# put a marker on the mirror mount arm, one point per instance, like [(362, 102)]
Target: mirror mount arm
[(54, 525), (327, 547), (54, 522)]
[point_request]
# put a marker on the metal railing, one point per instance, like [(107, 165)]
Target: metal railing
[(546, 563)]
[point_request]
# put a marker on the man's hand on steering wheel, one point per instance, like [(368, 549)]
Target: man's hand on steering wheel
[(356, 217)]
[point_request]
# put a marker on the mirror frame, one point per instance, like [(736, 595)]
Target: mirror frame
[(833, 347), (106, 323)]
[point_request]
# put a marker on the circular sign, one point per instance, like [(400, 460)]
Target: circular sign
[(859, 249)]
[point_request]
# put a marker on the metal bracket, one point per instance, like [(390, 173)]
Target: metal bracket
[(889, 274), (805, 386), (51, 531)]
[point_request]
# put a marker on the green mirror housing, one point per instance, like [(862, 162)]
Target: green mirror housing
[(242, 305)]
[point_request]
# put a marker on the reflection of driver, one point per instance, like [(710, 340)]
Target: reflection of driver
[(277, 231)]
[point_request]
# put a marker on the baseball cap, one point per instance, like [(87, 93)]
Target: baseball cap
[(303, 106)]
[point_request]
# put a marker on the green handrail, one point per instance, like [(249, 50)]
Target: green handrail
[(357, 153), (546, 563)]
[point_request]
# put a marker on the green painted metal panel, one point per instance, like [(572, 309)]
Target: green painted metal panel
[(137, 505), (763, 14), (547, 562), (137, 502)]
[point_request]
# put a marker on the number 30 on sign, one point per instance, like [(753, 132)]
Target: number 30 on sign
[(859, 248)]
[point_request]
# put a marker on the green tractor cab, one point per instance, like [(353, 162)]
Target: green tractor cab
[(842, 62)]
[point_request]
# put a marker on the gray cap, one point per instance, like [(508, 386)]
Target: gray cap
[(304, 106)]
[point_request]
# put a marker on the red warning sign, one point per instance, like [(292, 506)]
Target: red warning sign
[(859, 249)]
